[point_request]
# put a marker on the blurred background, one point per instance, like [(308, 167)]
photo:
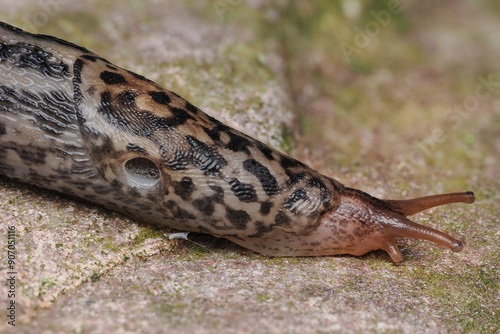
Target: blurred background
[(406, 92)]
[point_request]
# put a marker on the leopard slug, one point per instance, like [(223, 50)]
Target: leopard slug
[(73, 122)]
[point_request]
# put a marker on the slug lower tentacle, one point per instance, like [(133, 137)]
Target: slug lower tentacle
[(73, 122)]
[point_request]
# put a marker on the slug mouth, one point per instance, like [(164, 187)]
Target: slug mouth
[(390, 217)]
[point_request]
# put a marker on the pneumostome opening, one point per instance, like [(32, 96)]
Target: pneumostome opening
[(142, 171)]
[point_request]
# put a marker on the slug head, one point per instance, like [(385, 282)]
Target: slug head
[(364, 223)]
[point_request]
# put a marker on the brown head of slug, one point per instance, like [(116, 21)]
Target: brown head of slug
[(73, 122), (361, 223)]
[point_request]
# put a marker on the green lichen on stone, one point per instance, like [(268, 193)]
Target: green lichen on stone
[(95, 277), (45, 285), (147, 233), (460, 296), (110, 244)]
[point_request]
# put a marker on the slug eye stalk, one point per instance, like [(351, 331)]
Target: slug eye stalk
[(411, 206)]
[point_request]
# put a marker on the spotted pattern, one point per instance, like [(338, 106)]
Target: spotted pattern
[(112, 78), (160, 97), (268, 181), (244, 192), (184, 188)]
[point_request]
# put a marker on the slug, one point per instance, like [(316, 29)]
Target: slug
[(73, 122)]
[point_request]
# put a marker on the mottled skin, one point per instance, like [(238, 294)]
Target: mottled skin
[(73, 122)]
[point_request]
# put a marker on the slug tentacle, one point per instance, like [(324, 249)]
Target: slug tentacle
[(409, 207), (73, 122)]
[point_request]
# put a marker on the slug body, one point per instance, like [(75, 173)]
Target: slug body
[(73, 122)]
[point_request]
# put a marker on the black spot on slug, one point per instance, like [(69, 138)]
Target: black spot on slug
[(314, 244), (204, 205), (89, 57), (245, 192), (287, 162), (265, 207), (268, 152), (294, 178), (238, 143), (268, 181), (282, 219), (180, 116), (238, 218), (172, 206), (218, 195), (186, 214), (111, 67), (212, 133), (191, 107), (112, 78), (176, 211), (3, 130), (160, 97), (184, 188), (106, 149), (106, 98)]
